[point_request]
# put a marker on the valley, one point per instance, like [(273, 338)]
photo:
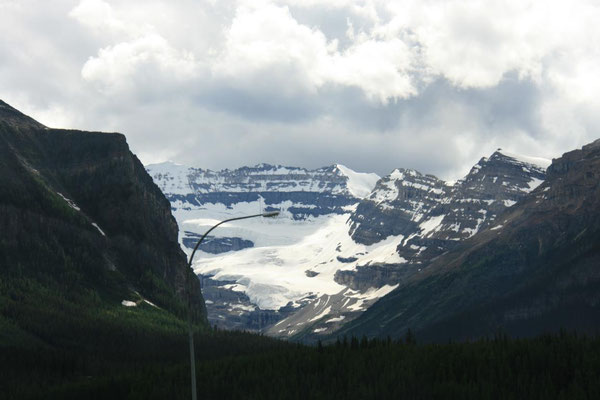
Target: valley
[(343, 239)]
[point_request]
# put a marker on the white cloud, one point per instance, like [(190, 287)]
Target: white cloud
[(143, 61), (472, 44), (373, 84), (98, 15), (265, 40), (380, 67)]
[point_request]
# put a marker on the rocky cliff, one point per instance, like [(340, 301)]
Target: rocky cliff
[(534, 268), (344, 239), (268, 279), (431, 217), (79, 213), (298, 193)]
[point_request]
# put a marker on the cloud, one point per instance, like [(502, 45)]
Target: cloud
[(99, 16), (373, 84), (138, 64), (267, 40)]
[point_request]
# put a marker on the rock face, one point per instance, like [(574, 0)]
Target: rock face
[(534, 268), (432, 217), (298, 192), (344, 239), (80, 206), (256, 288), (396, 206), (308, 192)]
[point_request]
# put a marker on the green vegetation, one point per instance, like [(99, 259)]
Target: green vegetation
[(82, 343), (65, 335)]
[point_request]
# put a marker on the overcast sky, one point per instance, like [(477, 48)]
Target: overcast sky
[(373, 84)]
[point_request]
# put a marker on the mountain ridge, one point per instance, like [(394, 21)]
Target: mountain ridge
[(354, 273), (80, 205), (532, 271)]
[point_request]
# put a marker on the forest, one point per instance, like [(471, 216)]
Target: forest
[(132, 363), (63, 342)]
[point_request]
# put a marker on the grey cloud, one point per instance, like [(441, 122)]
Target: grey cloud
[(215, 123), (510, 104), (333, 22), (261, 102)]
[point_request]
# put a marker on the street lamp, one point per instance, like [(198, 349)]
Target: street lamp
[(270, 214)]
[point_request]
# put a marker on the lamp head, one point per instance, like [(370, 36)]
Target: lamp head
[(270, 214)]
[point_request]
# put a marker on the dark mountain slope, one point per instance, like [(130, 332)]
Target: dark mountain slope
[(15, 118), (83, 228), (536, 269)]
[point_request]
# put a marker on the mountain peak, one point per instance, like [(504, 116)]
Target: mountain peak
[(359, 184), (594, 145), (535, 161), (167, 163), (14, 117), (402, 173)]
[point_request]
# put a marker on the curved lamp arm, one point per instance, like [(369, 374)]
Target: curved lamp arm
[(265, 215)]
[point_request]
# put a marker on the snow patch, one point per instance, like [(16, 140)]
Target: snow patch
[(533, 184), (95, 225), (242, 307), (274, 275), (536, 161), (321, 314), (151, 304), (433, 224), (70, 202), (374, 293), (359, 184)]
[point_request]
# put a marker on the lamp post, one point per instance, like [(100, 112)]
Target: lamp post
[(270, 214)]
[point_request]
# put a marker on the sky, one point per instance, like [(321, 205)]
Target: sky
[(373, 84)]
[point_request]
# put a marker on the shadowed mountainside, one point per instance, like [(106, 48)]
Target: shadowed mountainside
[(83, 228), (536, 269)]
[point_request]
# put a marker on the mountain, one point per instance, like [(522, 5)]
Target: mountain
[(344, 239), (270, 278), (298, 192), (534, 269), (93, 285), (416, 218), (85, 233), (430, 216)]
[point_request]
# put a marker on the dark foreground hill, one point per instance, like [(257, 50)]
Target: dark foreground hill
[(536, 270), (82, 229), (81, 216)]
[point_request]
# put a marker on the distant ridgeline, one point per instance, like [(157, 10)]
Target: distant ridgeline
[(306, 199), (350, 239), (302, 193), (84, 230)]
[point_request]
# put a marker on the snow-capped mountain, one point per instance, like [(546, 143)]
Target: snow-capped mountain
[(429, 216), (533, 271), (251, 289), (344, 239), (409, 203), (413, 218)]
